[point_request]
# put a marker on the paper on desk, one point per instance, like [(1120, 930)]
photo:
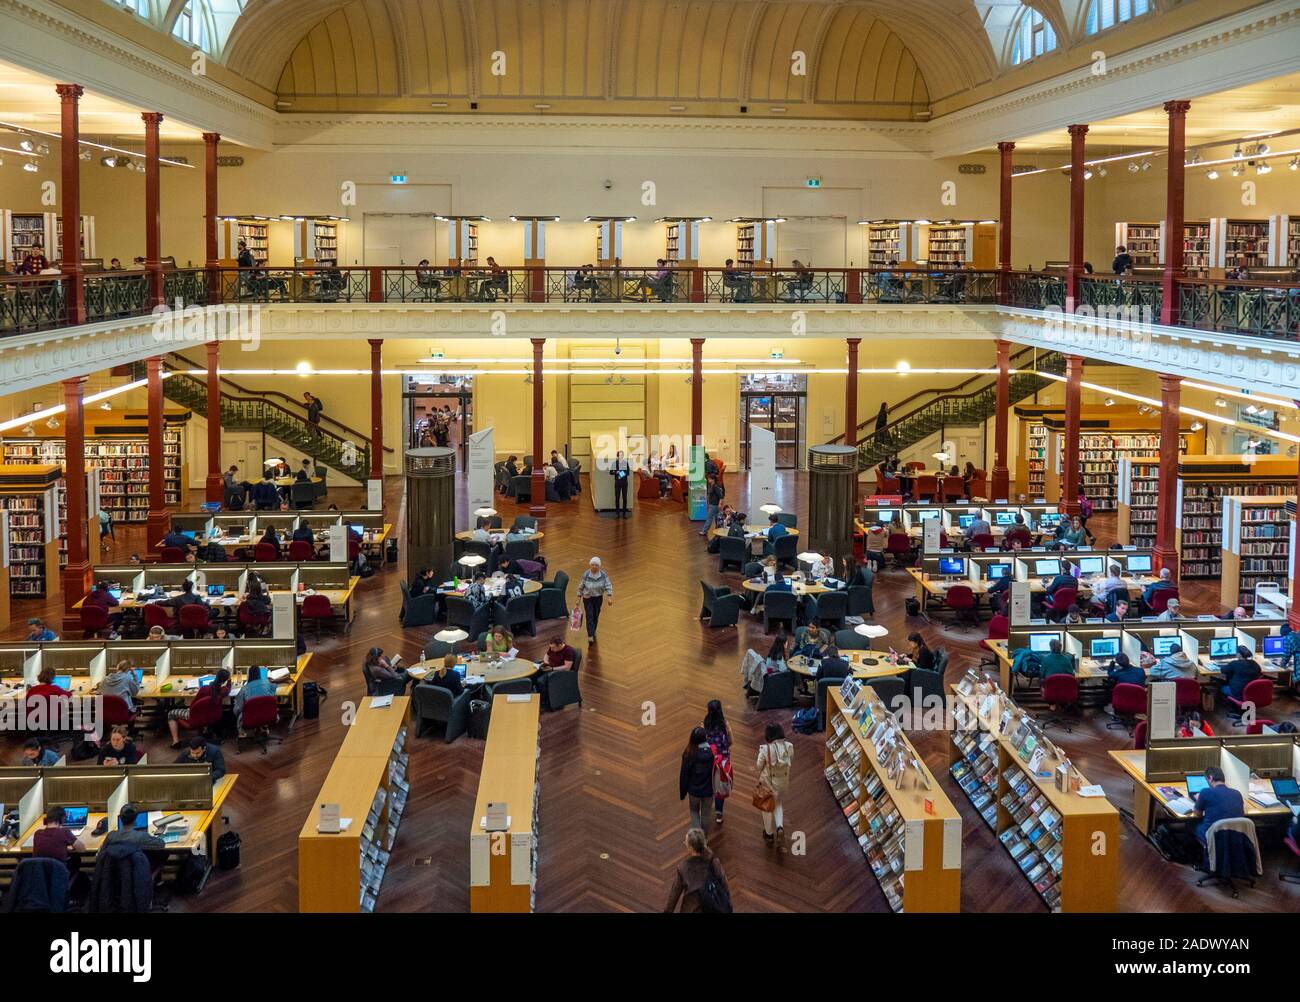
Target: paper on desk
[(1091, 791), (475, 679), (381, 702), (521, 857), (511, 654), (1180, 805)]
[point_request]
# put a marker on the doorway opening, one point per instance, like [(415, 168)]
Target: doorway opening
[(778, 402), (440, 411)]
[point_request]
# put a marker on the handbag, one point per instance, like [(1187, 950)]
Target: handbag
[(764, 798), (575, 617)]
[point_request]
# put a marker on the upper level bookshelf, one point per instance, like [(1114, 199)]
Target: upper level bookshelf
[(1258, 542), (954, 245), (255, 231), (1145, 242), (1203, 482)]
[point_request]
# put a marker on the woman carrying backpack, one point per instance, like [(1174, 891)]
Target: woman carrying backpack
[(718, 735), (774, 761), (696, 777), (700, 883), (1085, 513)]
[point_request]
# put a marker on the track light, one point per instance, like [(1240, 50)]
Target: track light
[(1238, 170), (1264, 168), (1212, 174), (1220, 402), (30, 167), (1197, 426), (109, 161), (27, 146), (1087, 175), (105, 406), (1146, 164), (1110, 401), (1263, 148), (52, 423), (1295, 163), (84, 155), (1101, 171), (1237, 154), (43, 149), (1133, 167)]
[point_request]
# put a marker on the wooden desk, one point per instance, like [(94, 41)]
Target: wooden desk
[(504, 671), (500, 881), (929, 588), (1148, 803), (798, 587), (285, 482), (498, 538), (856, 659), (494, 587)]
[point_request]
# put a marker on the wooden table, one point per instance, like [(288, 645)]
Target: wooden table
[(798, 587), (283, 482), (502, 671), (467, 536), (928, 588), (856, 659), (493, 586), (508, 776)]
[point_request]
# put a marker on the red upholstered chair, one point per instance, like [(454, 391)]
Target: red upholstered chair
[(954, 489), (300, 550), (260, 714), (889, 486), (1258, 726), (647, 488), (115, 712), (317, 608), (156, 615), (900, 548), (983, 541), (1062, 602), (1258, 692), (979, 487), (999, 627), (194, 620), (204, 712), (961, 600), (915, 465), (1127, 701), (1062, 691), (1140, 735), (1161, 599), (94, 618), (252, 622), (1187, 693), (172, 555), (265, 553), (927, 487)]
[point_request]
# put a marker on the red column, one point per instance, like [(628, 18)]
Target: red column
[(216, 490), (1166, 549), (159, 517), (376, 409), (1077, 134), (697, 394), (77, 570), (1070, 471), (851, 394), (1004, 238), (152, 208), (1000, 486), (210, 144), (1177, 112), (70, 158), (537, 489), (1293, 616)]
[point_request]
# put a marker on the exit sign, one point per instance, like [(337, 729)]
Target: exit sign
[(398, 178), (814, 182)]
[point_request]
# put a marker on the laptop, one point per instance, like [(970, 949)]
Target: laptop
[(116, 593), (1195, 784), (1287, 791), (75, 819), (216, 590), (63, 681)]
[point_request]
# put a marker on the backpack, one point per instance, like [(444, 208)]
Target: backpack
[(1085, 508), (714, 897), (723, 777), (805, 721), (1176, 845)]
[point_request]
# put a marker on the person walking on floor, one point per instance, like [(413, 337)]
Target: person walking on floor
[(698, 869), (695, 780), (714, 493), (718, 734), (622, 474), (314, 408), (593, 588), (774, 760)]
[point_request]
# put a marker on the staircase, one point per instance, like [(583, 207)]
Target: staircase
[(970, 402), (283, 419)]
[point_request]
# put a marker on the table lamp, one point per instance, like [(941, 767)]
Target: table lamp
[(942, 457), (485, 512), (769, 508), (472, 560), (808, 557), (451, 636), (871, 630)]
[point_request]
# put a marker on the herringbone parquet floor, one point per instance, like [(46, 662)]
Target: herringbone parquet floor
[(611, 822)]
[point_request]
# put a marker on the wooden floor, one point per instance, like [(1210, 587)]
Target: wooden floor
[(611, 823)]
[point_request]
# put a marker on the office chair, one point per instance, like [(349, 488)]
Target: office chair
[(318, 610), (1063, 691), (1290, 877), (252, 622), (1140, 735), (519, 611), (521, 549), (999, 627), (900, 548), (516, 686), (303, 495), (960, 599), (300, 551), (1258, 692), (194, 620), (1234, 857), (205, 713), (1161, 599), (983, 541), (861, 602), (172, 555), (778, 691), (260, 714), (786, 550), (156, 615), (461, 613), (434, 704), (1127, 701), (1061, 602), (787, 518), (418, 610), (94, 620), (266, 553), (1187, 693), (888, 688), (523, 522), (115, 712)]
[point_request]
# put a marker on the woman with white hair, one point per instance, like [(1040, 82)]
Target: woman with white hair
[(593, 589)]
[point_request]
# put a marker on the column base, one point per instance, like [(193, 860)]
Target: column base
[(215, 489), (76, 584), (1165, 556), (159, 523), (1070, 507), (537, 493), (1000, 484)]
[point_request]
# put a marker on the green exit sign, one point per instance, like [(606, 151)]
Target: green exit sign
[(814, 182)]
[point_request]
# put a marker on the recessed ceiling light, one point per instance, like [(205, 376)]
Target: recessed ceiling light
[(677, 107), (542, 107)]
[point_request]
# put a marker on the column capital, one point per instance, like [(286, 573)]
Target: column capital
[(212, 138), (74, 382), (1004, 349), (1006, 147), (153, 118), (854, 341), (537, 342), (69, 92), (375, 342), (1078, 131), (1177, 109), (1168, 382), (697, 340)]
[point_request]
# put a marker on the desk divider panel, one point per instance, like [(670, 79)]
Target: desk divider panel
[(92, 786), (176, 787)]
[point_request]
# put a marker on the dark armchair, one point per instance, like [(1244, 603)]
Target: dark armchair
[(553, 599), (520, 611), (732, 550), (418, 610), (721, 606), (461, 612), (779, 606), (434, 704)]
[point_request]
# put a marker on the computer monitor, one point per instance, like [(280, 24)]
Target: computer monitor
[(927, 514), (966, 521), (206, 680), (1047, 568), (1139, 563), (141, 823), (116, 593), (1196, 783), (1162, 647), (885, 516), (75, 818), (1273, 647), (1223, 647), (1103, 647), (188, 534), (1092, 565), (952, 565), (1004, 518), (216, 591), (63, 681), (139, 675), (360, 530), (1041, 643), (1286, 787), (1050, 519), (996, 572)]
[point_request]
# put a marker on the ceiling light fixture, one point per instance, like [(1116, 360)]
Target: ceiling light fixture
[(1238, 170), (1262, 148), (1213, 175), (1197, 426), (52, 423), (105, 406), (1146, 164), (1237, 154), (1087, 175), (1133, 168), (27, 146), (1295, 163), (1110, 401), (1101, 171), (1264, 168), (1220, 402), (30, 167)]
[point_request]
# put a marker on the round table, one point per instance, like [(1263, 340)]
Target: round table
[(812, 589), (282, 482), (752, 531), (467, 535), (860, 670), (504, 671), (530, 586)]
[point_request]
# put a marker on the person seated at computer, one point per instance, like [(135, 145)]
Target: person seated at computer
[(120, 681), (1120, 612), (177, 540), (1055, 662), (779, 581), (1113, 581), (997, 593), (35, 753), (1062, 580), (1173, 611), (1122, 670), (186, 597), (45, 685), (202, 750), (1217, 802), (265, 495), (53, 841), (126, 833), (920, 653), (979, 527), (256, 685), (810, 641), (1162, 583), (1076, 535), (1018, 532), (1240, 671), (444, 674), (304, 534), (874, 541), (271, 537), (257, 598), (218, 689), (1174, 665), (119, 749)]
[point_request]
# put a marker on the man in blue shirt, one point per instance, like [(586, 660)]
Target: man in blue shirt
[(775, 529), (1290, 646), (1218, 802), (35, 753), (177, 540), (1163, 584), (39, 633)]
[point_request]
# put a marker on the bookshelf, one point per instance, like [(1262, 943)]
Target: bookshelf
[(893, 243), (962, 245), (755, 242), (462, 240), (910, 834), (1196, 246), (256, 230), (1233, 242), (1099, 457), (1046, 826), (672, 243), (503, 862), (21, 231), (1203, 483), (1145, 241), (1258, 543), (316, 241), (27, 493), (1139, 485), (1292, 243), (344, 871), (1036, 460), (682, 239), (123, 462)]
